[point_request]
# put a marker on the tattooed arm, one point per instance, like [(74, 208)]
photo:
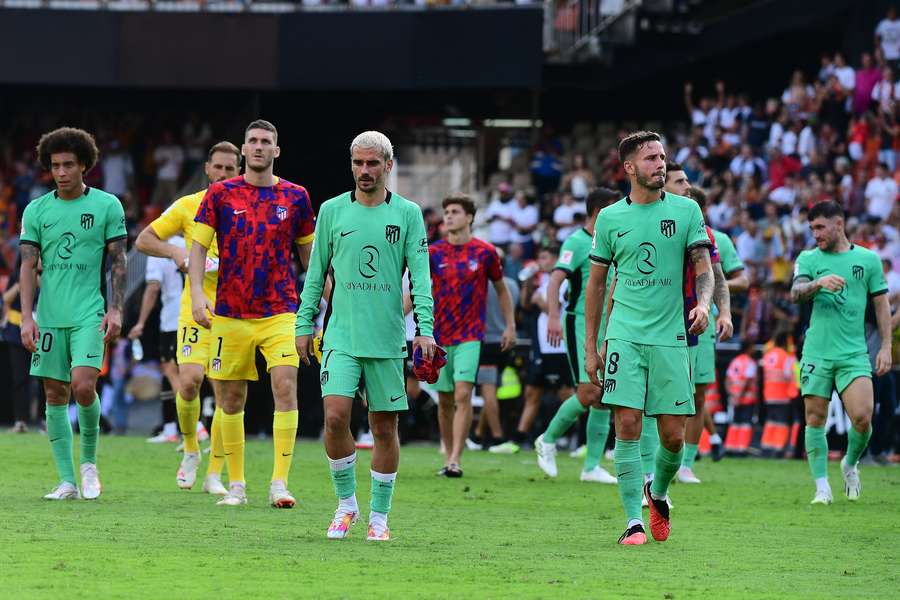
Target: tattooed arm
[(118, 275), (722, 298), (704, 284), (27, 284)]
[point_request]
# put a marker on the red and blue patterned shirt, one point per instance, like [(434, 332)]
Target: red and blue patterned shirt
[(459, 278), (255, 228), (690, 286)]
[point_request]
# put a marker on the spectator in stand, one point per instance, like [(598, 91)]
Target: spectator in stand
[(797, 96), (826, 68), (513, 262), (888, 130), (524, 218), (168, 158), (881, 194), (499, 217), (887, 36), (694, 148), (565, 217), (844, 73), (751, 248), (197, 136), (22, 183), (786, 195), (886, 91), (579, 181), (756, 128), (867, 76), (546, 168), (118, 170), (746, 164)]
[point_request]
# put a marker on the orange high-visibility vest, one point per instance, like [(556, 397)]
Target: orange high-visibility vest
[(740, 381), (779, 384)]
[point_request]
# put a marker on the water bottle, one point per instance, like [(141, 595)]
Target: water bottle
[(137, 350)]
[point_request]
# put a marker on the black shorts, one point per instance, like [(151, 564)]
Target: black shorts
[(492, 362), (549, 371), (168, 346)]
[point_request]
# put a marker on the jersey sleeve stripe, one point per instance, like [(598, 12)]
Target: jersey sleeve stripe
[(30, 243), (878, 293), (300, 241), (700, 244), (800, 276), (116, 238), (599, 260)]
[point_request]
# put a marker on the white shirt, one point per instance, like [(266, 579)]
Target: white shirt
[(524, 216), (685, 153), (543, 318), (169, 159), (750, 248), (893, 281), (746, 167), (846, 77), (890, 38), (171, 283), (579, 186), (563, 215), (720, 214), (499, 231), (884, 92), (788, 142), (881, 194), (806, 144), (116, 170), (783, 196)]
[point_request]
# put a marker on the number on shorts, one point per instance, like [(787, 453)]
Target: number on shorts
[(613, 363), (195, 335), (46, 342), (219, 351), (811, 368)]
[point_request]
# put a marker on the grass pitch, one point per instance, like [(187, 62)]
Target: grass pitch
[(503, 531)]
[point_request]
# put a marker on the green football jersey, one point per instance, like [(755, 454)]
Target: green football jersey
[(72, 237), (367, 250), (574, 261), (727, 253), (837, 323), (648, 244)]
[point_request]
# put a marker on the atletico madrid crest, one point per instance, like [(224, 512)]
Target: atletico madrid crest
[(281, 212)]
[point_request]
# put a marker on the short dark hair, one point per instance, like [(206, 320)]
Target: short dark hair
[(262, 124), (672, 166), (551, 248), (601, 198), (828, 210), (463, 200), (633, 141), (226, 147), (68, 139), (782, 338), (698, 195)]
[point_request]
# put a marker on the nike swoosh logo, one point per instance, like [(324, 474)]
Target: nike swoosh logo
[(229, 453), (217, 456), (288, 454), (55, 440), (50, 225), (397, 398), (346, 233), (93, 355), (284, 355), (680, 403), (240, 212), (618, 235), (625, 473)]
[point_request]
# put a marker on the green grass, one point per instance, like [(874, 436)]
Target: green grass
[(502, 531)]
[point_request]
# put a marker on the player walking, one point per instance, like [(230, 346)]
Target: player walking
[(367, 238), (256, 218), (574, 264), (194, 341), (71, 229), (839, 278), (649, 235)]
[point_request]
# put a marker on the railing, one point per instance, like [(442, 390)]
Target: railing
[(257, 6), (432, 174), (572, 27)]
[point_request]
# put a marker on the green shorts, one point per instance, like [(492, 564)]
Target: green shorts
[(575, 328), (381, 379), (61, 349), (819, 376), (703, 360), (462, 365), (653, 379)]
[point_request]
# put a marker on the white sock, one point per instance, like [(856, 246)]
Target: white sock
[(715, 439), (377, 519), (822, 485), (633, 522), (339, 464), (348, 505)]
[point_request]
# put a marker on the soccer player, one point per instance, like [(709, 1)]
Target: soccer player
[(649, 235), (367, 238), (71, 230), (701, 348), (461, 266), (256, 218), (839, 278), (574, 264), (194, 341)]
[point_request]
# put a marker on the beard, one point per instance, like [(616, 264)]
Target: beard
[(260, 168), (654, 182)]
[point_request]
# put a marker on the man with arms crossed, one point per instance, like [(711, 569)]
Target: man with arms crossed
[(574, 264), (71, 229), (648, 235), (461, 266), (193, 344), (256, 218), (839, 278), (366, 238)]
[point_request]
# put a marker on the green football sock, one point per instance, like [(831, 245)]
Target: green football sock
[(649, 444), (597, 432), (816, 451), (690, 453), (382, 492), (628, 471), (856, 444), (59, 432), (667, 463), (343, 476), (564, 418), (89, 430)]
